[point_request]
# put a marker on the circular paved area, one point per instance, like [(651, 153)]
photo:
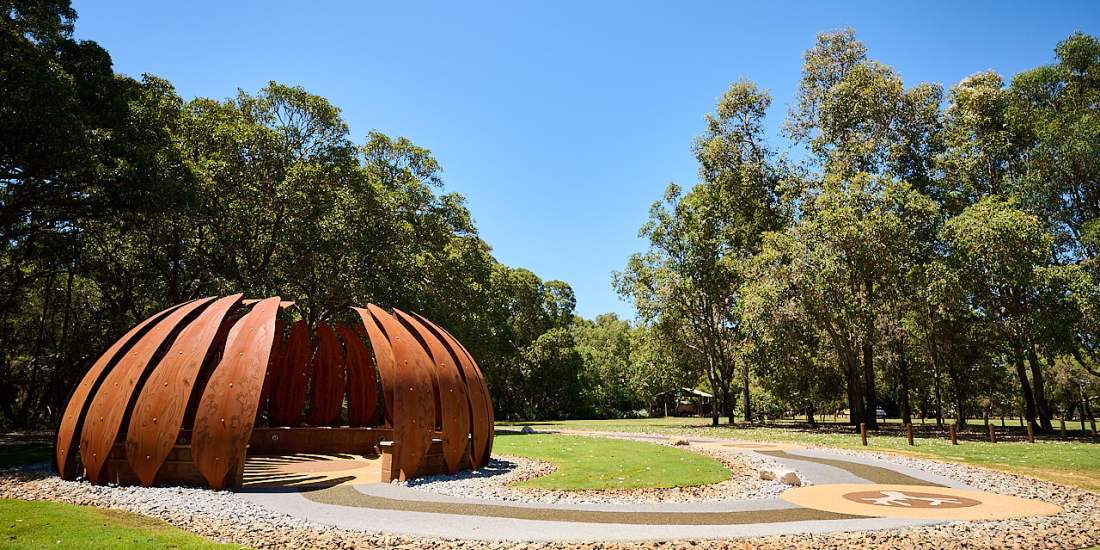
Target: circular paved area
[(850, 493), (308, 470), (916, 501)]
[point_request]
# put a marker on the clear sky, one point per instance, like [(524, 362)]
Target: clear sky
[(561, 122)]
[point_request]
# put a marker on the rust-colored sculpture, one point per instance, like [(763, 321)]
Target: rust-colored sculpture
[(185, 394)]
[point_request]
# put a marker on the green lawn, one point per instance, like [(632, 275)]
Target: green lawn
[(20, 449), (1072, 462), (38, 524), (599, 463)]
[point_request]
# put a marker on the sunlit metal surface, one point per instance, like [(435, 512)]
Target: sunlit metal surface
[(176, 399)]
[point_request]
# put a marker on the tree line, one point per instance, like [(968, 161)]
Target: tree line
[(922, 250), (925, 251), (119, 198)]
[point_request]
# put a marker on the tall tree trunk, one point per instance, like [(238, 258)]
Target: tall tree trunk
[(745, 396), (716, 399), (939, 391), (25, 416), (869, 412), (729, 398), (1039, 387), (868, 348), (955, 373), (728, 404), (903, 383), (1025, 387), (855, 400), (960, 409)]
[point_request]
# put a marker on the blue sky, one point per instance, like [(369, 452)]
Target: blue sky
[(561, 122)]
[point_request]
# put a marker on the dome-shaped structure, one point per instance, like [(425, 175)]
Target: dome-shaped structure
[(185, 394)]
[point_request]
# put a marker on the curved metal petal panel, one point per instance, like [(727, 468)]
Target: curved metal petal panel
[(74, 412), (328, 380), (289, 390), (475, 382), (414, 404), (383, 357), (106, 412), (452, 394), (157, 415), (362, 382), (227, 410), (278, 350)]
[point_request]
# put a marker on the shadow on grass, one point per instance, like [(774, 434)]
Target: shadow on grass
[(20, 449)]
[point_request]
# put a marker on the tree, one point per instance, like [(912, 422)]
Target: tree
[(792, 360), (1055, 105), (605, 345), (690, 276), (999, 251), (865, 132), (81, 149)]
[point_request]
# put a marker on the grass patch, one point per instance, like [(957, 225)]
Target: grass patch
[(599, 463), (1074, 462), (42, 524), (20, 449)]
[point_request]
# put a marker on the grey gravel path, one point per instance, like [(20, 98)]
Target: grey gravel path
[(488, 528)]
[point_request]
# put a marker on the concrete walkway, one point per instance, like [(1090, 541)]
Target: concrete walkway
[(873, 494)]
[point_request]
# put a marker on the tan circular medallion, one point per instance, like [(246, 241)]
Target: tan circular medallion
[(916, 502), (911, 499)]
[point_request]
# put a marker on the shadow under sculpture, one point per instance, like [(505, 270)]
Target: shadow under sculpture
[(183, 396)]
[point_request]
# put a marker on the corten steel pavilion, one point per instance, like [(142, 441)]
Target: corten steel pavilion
[(176, 400)]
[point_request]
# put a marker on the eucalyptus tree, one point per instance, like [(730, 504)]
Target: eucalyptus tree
[(1000, 252), (659, 363), (684, 281), (691, 274), (867, 136), (1056, 105), (1060, 180), (793, 362), (747, 181)]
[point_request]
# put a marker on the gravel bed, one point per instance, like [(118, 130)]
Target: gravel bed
[(220, 515), (1078, 526), (226, 517), (496, 482)]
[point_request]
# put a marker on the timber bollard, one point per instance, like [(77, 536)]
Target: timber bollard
[(1030, 433), (1093, 426), (951, 429), (992, 435), (863, 433), (1063, 427), (909, 432)]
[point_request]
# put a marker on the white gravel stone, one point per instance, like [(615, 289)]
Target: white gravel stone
[(227, 517)]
